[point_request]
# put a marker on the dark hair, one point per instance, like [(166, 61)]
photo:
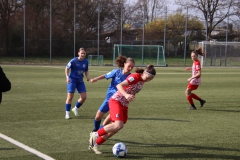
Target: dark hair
[(199, 51), (149, 68), (122, 59), (81, 49)]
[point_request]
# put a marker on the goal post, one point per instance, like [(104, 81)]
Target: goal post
[(95, 60), (142, 54), (219, 53)]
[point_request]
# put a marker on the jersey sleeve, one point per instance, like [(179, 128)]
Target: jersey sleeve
[(197, 65), (111, 74), (133, 78), (69, 64)]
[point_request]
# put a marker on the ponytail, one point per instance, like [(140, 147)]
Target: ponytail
[(199, 51)]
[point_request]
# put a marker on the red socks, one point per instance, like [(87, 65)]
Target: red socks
[(190, 100), (195, 96), (101, 132), (100, 140)]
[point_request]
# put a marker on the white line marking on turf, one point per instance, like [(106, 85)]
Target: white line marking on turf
[(27, 148)]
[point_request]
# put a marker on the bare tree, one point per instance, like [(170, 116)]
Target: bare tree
[(7, 10), (213, 11)]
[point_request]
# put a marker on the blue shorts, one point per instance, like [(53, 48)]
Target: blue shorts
[(104, 107), (76, 84)]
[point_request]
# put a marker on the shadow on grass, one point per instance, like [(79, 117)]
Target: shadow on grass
[(184, 155), (222, 110), (144, 119), (158, 119), (6, 149)]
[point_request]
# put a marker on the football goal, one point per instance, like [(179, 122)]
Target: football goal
[(142, 54), (221, 53), (95, 60)]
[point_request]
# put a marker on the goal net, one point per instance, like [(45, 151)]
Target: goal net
[(142, 54), (221, 53), (95, 60)]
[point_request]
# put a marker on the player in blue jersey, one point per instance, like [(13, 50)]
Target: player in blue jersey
[(78, 66), (118, 75)]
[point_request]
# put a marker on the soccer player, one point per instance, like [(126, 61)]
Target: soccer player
[(5, 84), (78, 66), (195, 80), (117, 75), (118, 105)]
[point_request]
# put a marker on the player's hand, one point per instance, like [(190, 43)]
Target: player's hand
[(130, 97), (189, 79), (68, 80), (88, 78), (188, 68), (93, 80)]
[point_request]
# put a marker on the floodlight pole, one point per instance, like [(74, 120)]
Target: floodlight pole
[(74, 28), (121, 22), (164, 36), (99, 2), (121, 26), (143, 28), (24, 32), (226, 37), (185, 43), (50, 31)]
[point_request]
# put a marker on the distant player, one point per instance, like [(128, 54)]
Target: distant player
[(118, 105), (195, 80), (5, 84), (117, 75), (78, 66)]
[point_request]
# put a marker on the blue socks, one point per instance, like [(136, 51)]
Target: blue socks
[(67, 107), (78, 105), (96, 125)]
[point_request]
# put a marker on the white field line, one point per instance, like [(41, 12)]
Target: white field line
[(101, 71), (27, 148), (176, 73)]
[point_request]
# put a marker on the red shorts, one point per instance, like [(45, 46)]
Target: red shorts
[(192, 87), (118, 112)]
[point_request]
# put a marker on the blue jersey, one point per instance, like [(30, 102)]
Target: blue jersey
[(77, 67), (117, 77)]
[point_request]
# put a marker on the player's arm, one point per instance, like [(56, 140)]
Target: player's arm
[(120, 88), (188, 68), (195, 76), (66, 74), (87, 75), (98, 78)]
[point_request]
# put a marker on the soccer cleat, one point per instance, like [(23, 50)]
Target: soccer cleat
[(93, 138), (95, 150), (67, 117), (192, 108), (202, 102), (75, 112), (90, 144)]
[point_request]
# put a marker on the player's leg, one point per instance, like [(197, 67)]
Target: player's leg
[(68, 104), (199, 99), (104, 108), (188, 93), (70, 93), (107, 120), (99, 137), (82, 97), (97, 120)]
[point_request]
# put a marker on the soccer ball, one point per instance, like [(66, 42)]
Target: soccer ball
[(119, 150)]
